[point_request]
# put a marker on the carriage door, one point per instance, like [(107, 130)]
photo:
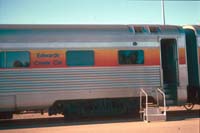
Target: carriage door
[(192, 63), (170, 69)]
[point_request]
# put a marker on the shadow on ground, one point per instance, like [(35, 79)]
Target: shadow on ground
[(59, 121), (182, 115)]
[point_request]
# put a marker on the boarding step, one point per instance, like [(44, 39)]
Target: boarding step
[(156, 117), (154, 114), (152, 105), (151, 110)]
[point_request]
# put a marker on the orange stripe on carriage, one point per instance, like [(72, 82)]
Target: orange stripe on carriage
[(182, 56)]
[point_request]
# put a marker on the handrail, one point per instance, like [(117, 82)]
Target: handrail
[(142, 91), (163, 94), (145, 111)]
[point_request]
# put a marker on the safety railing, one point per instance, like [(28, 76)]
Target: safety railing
[(146, 102), (145, 93), (164, 100)]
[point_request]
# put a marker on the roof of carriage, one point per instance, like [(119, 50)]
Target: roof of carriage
[(71, 33)]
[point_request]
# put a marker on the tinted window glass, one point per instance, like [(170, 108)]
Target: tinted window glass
[(15, 59), (131, 57), (2, 59), (80, 58)]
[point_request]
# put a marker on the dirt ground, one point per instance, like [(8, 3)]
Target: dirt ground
[(179, 122)]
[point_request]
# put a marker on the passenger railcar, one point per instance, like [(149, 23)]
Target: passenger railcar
[(44, 65)]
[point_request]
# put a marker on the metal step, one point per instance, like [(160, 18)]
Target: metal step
[(153, 110), (158, 117), (154, 114), (152, 105)]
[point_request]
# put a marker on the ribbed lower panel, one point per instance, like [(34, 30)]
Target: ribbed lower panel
[(40, 80)]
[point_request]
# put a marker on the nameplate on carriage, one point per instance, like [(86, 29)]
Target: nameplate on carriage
[(47, 58)]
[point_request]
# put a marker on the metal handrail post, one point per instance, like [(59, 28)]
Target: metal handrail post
[(157, 98), (146, 114), (163, 94), (140, 101)]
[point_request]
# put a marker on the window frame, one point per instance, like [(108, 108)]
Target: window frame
[(5, 64), (80, 65), (131, 50)]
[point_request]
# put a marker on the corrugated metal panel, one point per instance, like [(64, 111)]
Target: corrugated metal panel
[(41, 80)]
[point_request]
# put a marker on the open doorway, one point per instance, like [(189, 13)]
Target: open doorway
[(169, 58)]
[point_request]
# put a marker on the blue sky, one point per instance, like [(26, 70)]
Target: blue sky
[(98, 12)]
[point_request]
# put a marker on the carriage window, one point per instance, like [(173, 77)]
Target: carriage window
[(16, 59), (154, 29), (139, 29), (131, 57), (80, 58), (2, 58)]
